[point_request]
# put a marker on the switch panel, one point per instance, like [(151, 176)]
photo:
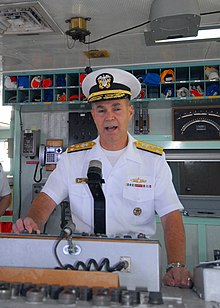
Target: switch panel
[(81, 127)]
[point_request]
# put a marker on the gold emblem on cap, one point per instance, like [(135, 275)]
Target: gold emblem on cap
[(138, 180), (104, 81), (137, 211)]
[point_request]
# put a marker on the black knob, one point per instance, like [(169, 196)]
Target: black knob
[(25, 288), (54, 291), (141, 235), (85, 293), (155, 298)]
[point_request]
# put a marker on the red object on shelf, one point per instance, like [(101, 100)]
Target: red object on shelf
[(6, 227)]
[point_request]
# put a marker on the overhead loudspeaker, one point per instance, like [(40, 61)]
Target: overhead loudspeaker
[(174, 19)]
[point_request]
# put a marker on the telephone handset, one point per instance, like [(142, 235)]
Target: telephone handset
[(49, 154)]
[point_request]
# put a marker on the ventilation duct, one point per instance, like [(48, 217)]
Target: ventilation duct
[(26, 18)]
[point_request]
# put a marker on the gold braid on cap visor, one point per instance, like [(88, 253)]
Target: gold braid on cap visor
[(108, 94)]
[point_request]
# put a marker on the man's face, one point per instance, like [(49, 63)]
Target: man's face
[(112, 118)]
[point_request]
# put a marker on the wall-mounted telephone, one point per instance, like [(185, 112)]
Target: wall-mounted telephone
[(30, 140), (49, 154)]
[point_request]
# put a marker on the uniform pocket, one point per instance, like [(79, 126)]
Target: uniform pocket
[(81, 200)]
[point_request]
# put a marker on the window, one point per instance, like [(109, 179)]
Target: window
[(4, 159), (5, 118)]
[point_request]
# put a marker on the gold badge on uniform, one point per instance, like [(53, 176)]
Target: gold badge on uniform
[(138, 182), (81, 180), (137, 211)]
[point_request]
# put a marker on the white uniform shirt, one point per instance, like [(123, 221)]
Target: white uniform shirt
[(130, 205), (4, 185)]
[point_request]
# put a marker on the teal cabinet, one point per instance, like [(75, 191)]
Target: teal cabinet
[(174, 84), (43, 88), (202, 238)]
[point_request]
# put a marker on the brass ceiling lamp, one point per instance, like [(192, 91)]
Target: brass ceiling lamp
[(77, 28)]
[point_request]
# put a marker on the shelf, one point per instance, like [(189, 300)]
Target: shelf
[(180, 83), (44, 88)]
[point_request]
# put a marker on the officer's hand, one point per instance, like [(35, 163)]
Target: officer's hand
[(26, 224), (178, 277)]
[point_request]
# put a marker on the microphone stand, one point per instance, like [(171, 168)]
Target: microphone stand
[(95, 186)]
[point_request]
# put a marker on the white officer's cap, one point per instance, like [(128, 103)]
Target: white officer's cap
[(110, 83)]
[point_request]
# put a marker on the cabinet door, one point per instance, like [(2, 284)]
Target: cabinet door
[(213, 240), (192, 246)]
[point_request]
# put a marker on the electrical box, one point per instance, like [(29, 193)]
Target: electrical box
[(141, 119), (81, 127), (30, 140)]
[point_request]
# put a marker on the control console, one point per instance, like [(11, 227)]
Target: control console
[(137, 260)]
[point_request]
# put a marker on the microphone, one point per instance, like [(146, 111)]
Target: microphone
[(94, 173), (67, 231), (94, 182)]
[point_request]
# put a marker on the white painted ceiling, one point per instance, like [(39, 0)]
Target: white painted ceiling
[(50, 51)]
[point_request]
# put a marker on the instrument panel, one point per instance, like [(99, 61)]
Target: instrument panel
[(197, 124), (86, 252), (140, 284), (45, 296)]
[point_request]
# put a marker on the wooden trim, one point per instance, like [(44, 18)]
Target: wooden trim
[(80, 238), (60, 277)]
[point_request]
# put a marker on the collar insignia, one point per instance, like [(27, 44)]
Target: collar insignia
[(81, 180)]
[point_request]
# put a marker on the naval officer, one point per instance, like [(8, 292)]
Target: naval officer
[(138, 181)]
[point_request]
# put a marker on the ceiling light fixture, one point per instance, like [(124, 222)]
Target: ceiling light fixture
[(173, 19), (205, 33), (77, 28), (176, 21)]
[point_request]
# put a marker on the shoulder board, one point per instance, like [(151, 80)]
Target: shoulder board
[(80, 146), (148, 147)]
